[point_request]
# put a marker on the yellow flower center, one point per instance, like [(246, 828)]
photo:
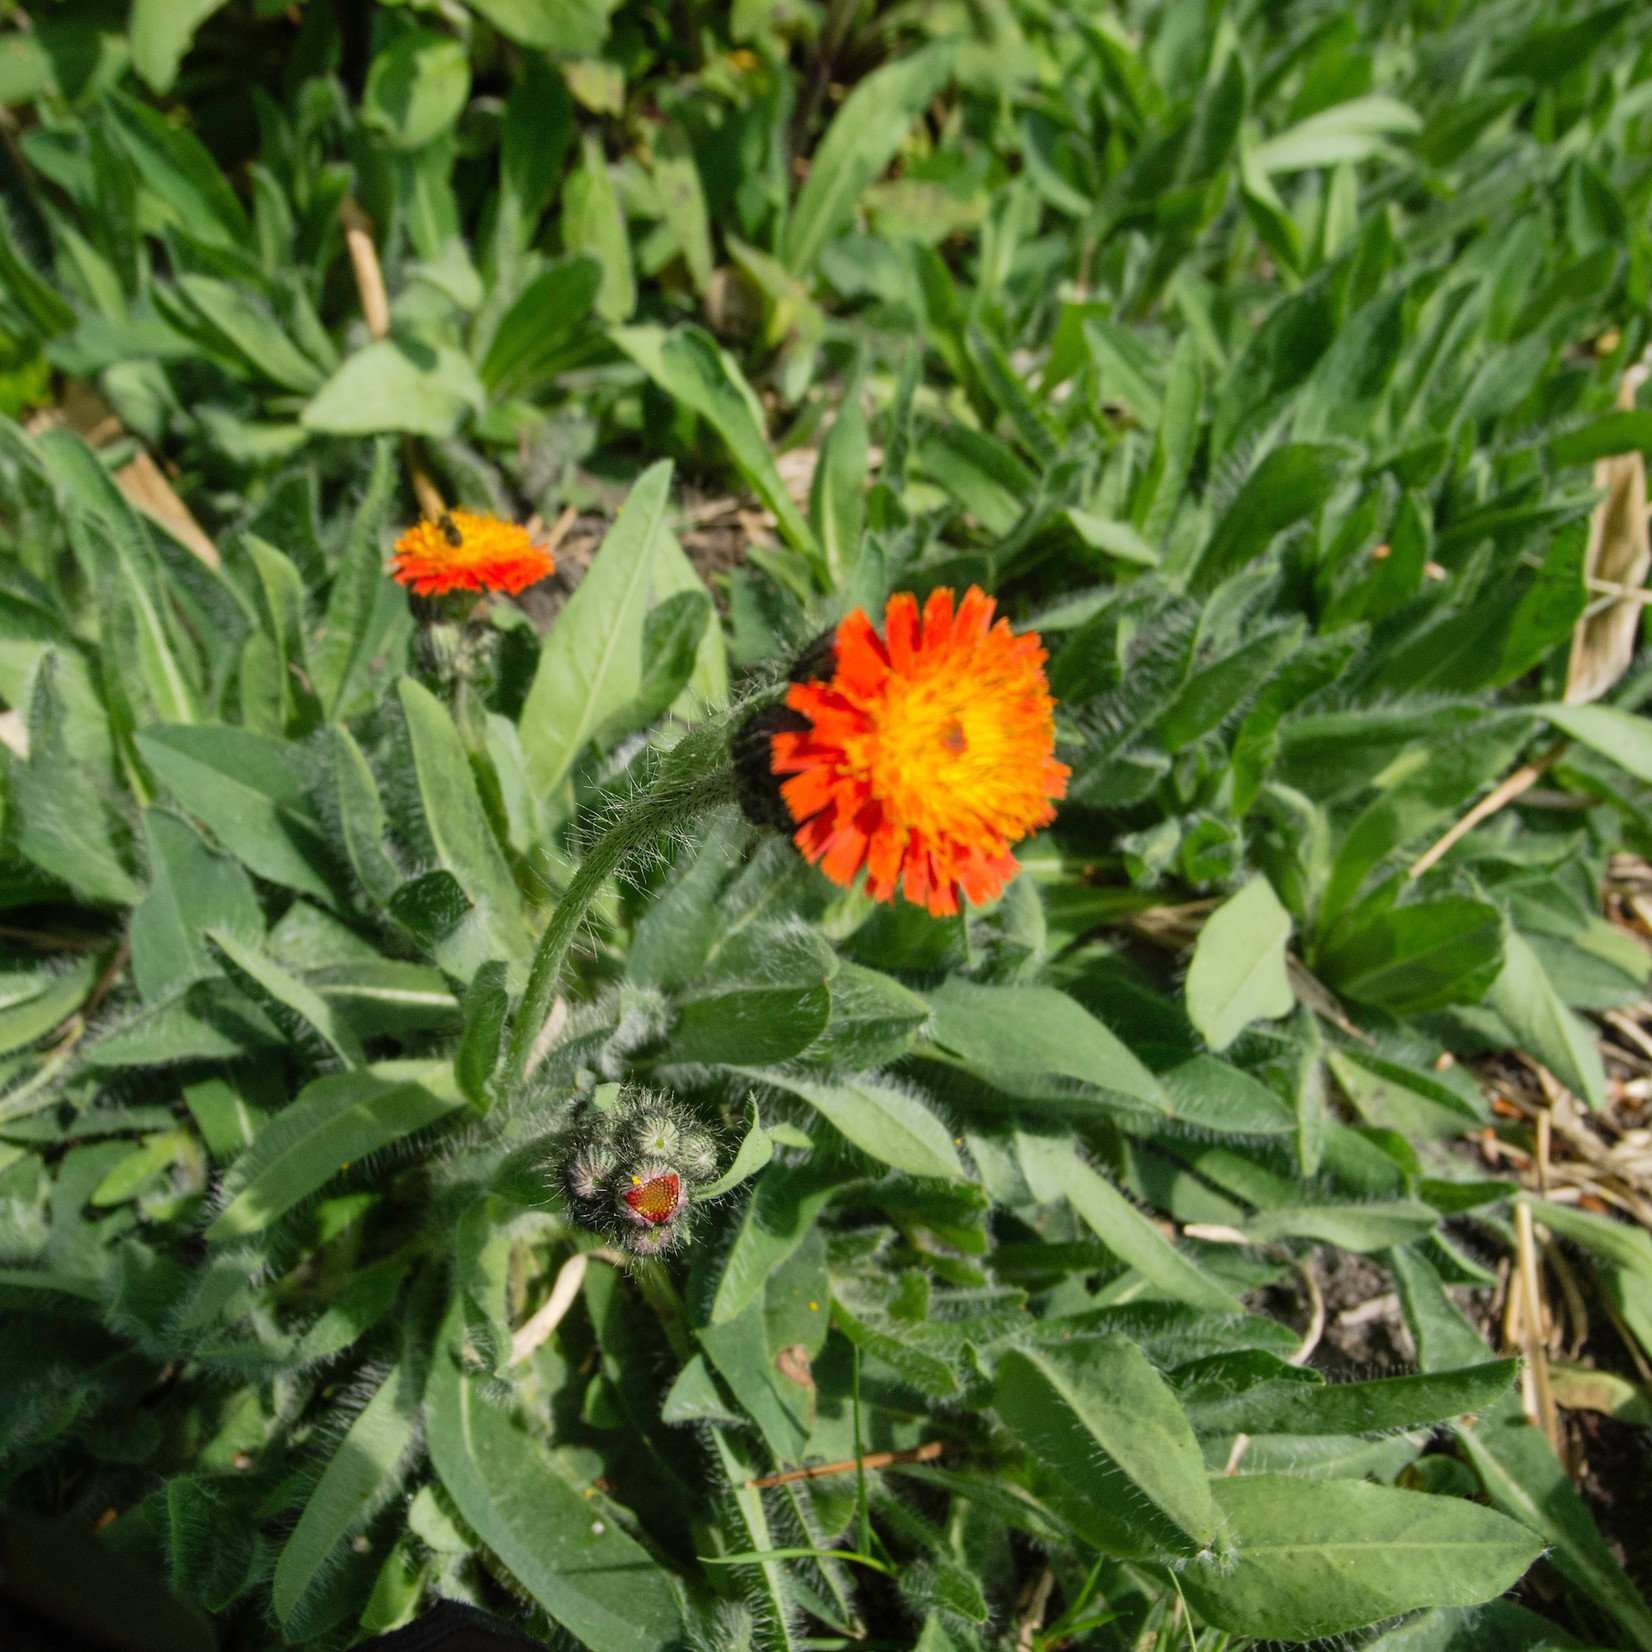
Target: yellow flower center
[(948, 749)]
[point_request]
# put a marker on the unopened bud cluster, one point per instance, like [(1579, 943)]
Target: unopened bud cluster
[(631, 1172)]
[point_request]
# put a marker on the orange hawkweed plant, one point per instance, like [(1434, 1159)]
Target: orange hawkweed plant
[(468, 551), (925, 754)]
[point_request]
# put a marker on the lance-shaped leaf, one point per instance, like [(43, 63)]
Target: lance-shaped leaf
[(890, 1124), (363, 1472), (576, 1561), (252, 793), (1109, 1427), (335, 1121), (458, 825), (591, 664), (299, 1010), (1054, 1170), (1319, 1557), (1295, 1407), (689, 365), (755, 1150), (861, 142), (1019, 1039)]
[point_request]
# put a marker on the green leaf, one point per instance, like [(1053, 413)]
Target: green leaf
[(1289, 485), (160, 32), (362, 603), (360, 815), (182, 182), (782, 1211), (890, 1124), (872, 1023), (672, 633), (1524, 1479), (1445, 1339), (1212, 694), (590, 665), (1346, 132), (755, 1150), (65, 819), (594, 225), (1498, 1626), (361, 1475), (335, 1121), (458, 825), (538, 331), (251, 792), (232, 326), (1286, 1407), (708, 684), (282, 587), (1020, 1039), (1628, 430), (192, 889), (1111, 1432), (1394, 1096), (32, 1002), (1622, 736), (1370, 1228), (860, 143), (1616, 1242), (566, 1551), (416, 87), (677, 182), (397, 385), (486, 1004), (1238, 971), (128, 1177), (1535, 1013), (1319, 1557), (1213, 1095), (567, 28), (294, 1007), (766, 997), (837, 496), (1410, 959), (739, 1349), (687, 363), (153, 654), (1055, 1171)]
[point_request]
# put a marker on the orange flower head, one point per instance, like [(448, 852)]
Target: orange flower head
[(468, 551), (926, 753), (654, 1199)]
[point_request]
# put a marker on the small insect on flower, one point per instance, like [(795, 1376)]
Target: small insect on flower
[(920, 755), (468, 551)]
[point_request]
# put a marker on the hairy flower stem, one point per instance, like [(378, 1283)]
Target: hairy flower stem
[(695, 775)]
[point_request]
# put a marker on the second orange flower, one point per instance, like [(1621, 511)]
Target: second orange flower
[(469, 551)]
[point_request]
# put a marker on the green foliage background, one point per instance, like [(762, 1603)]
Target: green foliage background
[(1255, 354)]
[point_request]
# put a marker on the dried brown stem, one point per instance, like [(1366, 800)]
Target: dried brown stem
[(534, 1332), (429, 496), (1033, 1613), (375, 311), (1523, 779), (364, 261), (925, 1453), (559, 529), (1540, 1399)]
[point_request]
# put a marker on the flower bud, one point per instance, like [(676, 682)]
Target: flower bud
[(630, 1172)]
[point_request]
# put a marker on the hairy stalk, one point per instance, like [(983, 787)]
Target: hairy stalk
[(695, 775)]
